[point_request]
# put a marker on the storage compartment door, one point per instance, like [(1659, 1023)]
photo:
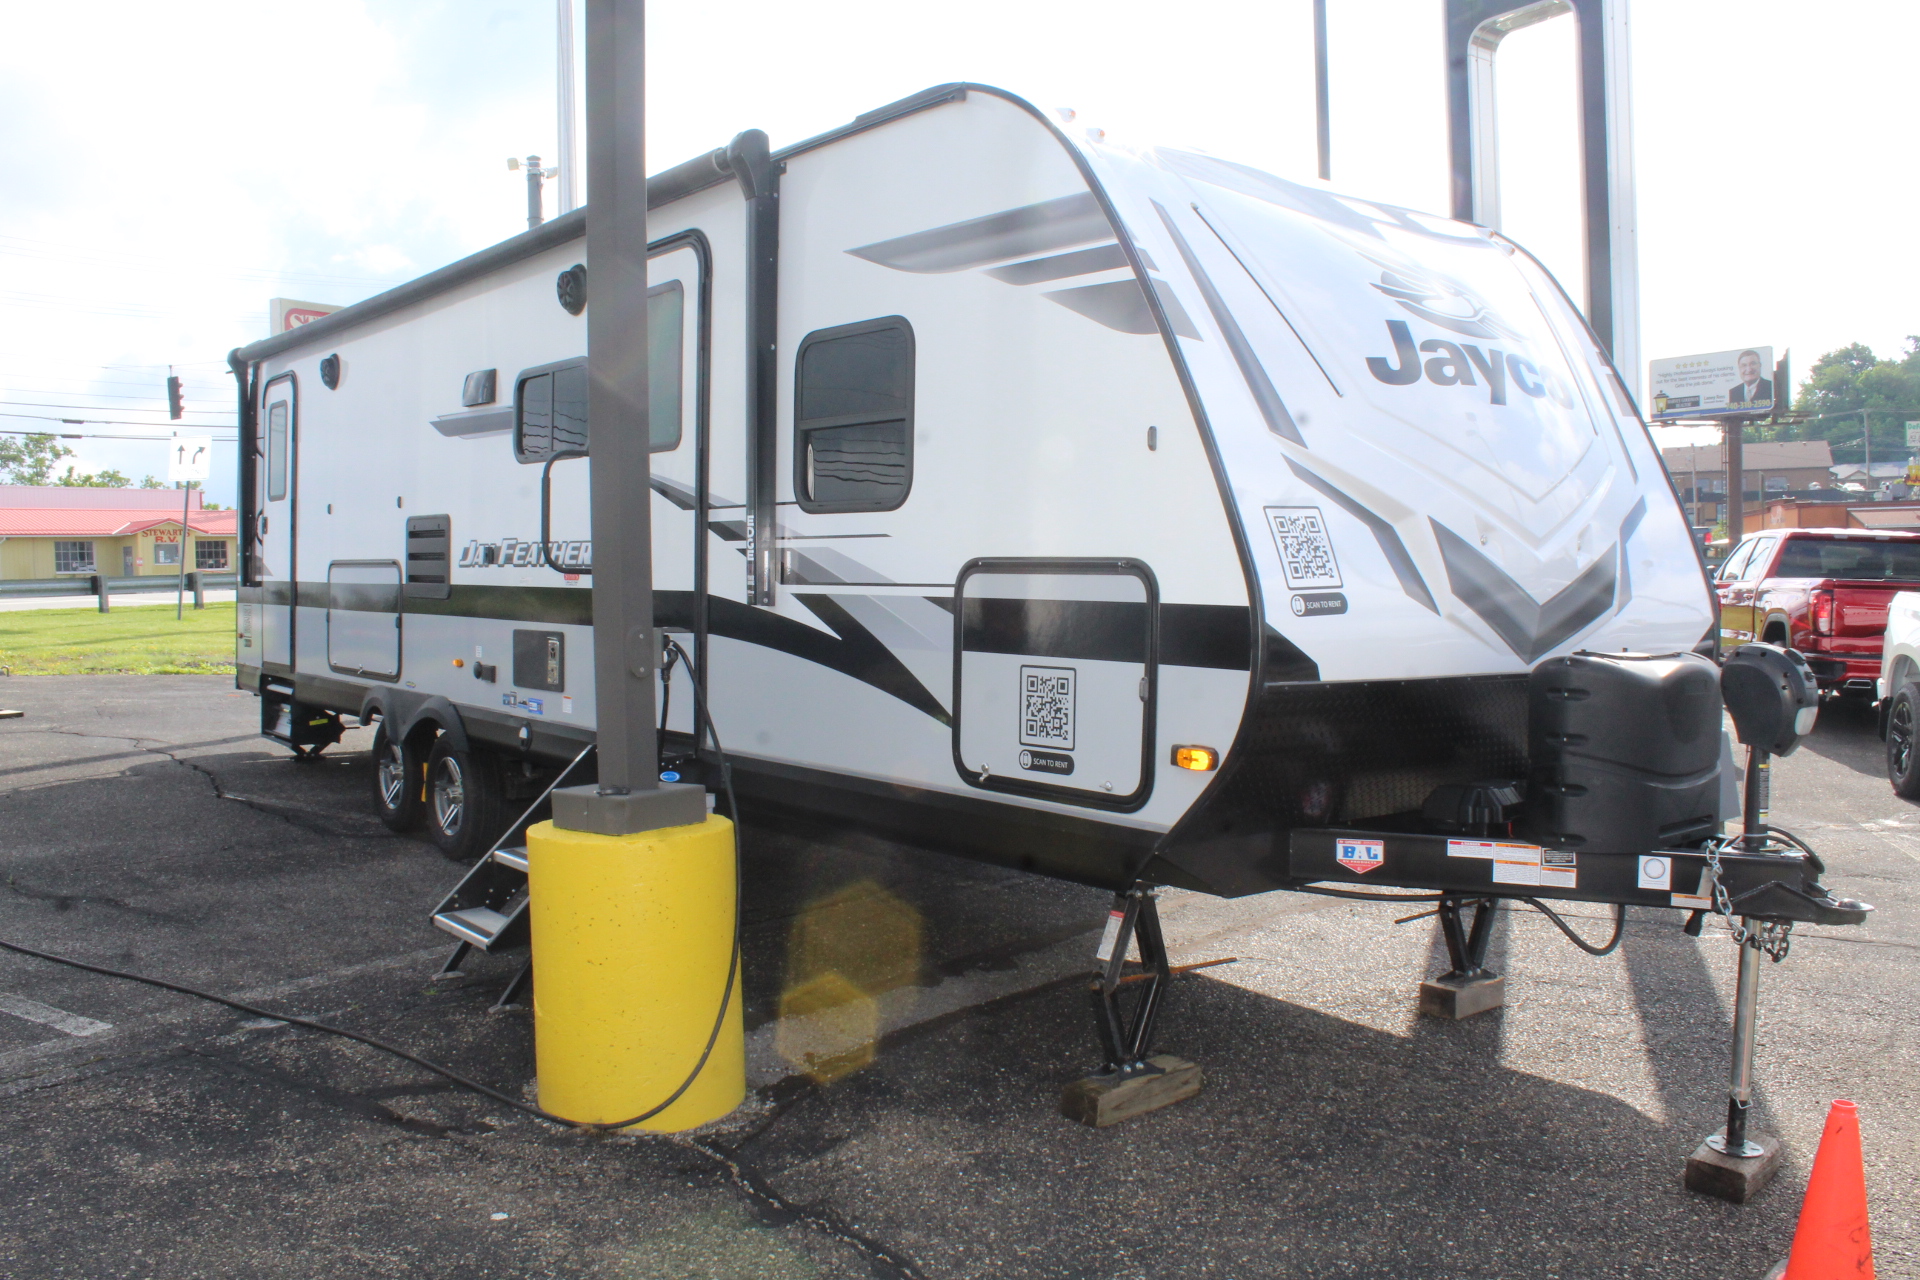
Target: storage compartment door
[(1055, 679), (363, 618)]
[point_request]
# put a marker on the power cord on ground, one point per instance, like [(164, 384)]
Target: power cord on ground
[(719, 1022)]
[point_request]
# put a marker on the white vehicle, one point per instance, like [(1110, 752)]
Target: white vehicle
[(1109, 514), (1899, 696)]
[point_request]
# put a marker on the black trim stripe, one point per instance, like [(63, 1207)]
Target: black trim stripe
[(1094, 630), (1191, 635)]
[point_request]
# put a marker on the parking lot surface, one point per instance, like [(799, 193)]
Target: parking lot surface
[(144, 825)]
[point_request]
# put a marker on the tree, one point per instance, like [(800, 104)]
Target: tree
[(151, 483), (30, 459), (108, 479), (1844, 383)]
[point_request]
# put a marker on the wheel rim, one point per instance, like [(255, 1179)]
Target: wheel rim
[(393, 776), (449, 795), (1900, 735)]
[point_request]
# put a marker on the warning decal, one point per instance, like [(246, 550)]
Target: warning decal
[(1360, 856)]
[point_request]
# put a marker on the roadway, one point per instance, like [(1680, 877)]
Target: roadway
[(1339, 1134)]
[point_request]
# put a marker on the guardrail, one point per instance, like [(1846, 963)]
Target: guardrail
[(101, 586)]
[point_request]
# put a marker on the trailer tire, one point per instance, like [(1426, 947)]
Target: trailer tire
[(1903, 742), (399, 780), (466, 798)]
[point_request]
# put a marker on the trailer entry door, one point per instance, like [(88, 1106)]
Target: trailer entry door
[(274, 483), (1054, 677)]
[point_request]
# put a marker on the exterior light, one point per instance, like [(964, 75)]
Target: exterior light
[(1199, 759)]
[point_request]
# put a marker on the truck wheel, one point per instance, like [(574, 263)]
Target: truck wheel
[(465, 797), (1903, 753), (398, 777)]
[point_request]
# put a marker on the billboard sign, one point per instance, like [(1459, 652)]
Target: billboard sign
[(290, 314), (1713, 385)]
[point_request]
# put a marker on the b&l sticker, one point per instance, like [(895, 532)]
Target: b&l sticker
[(1360, 856)]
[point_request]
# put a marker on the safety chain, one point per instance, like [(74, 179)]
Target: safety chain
[(1771, 936)]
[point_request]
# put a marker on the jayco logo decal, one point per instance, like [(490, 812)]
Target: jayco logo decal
[(1455, 363)]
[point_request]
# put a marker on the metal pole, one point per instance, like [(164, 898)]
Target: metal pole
[(563, 82), (1746, 1012), (1735, 434), (534, 216), (1323, 120), (630, 797), (1866, 435), (180, 598)]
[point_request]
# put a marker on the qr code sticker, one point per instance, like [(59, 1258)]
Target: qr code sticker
[(1046, 707), (1306, 550)]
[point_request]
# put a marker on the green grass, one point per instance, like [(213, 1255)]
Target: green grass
[(143, 640)]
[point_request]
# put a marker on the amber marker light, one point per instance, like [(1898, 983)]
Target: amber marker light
[(459, 662), (1200, 759)]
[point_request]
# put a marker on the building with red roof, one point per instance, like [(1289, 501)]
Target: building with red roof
[(49, 531)]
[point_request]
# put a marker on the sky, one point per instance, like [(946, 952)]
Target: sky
[(172, 167)]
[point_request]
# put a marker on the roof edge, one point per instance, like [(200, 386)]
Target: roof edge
[(665, 187)]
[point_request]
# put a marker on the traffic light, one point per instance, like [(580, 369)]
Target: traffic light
[(174, 406)]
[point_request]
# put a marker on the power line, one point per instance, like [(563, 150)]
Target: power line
[(109, 422), (87, 408)]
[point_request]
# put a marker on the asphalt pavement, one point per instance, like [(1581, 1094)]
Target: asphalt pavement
[(145, 826)]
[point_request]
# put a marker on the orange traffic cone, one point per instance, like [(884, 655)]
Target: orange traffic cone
[(1832, 1241)]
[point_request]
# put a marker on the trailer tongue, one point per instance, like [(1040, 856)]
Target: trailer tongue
[(1622, 805)]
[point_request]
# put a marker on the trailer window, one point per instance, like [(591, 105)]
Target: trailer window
[(277, 451), (550, 402), (853, 417), (1865, 559)]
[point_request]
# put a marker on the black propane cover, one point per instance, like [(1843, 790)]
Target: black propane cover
[(1772, 696), (1624, 752)]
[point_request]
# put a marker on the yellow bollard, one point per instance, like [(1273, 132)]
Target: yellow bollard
[(632, 936)]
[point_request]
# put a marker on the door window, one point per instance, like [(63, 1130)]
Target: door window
[(277, 451), (1730, 571)]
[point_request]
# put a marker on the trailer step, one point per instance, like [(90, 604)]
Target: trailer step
[(487, 910), (477, 925)]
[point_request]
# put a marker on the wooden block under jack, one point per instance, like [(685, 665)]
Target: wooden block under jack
[(1731, 1177), (1103, 1100), (1458, 998)]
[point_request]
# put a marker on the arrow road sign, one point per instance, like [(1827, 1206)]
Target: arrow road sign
[(191, 458)]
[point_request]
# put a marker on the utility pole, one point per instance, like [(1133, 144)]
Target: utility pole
[(1866, 436), (176, 405), (563, 82)]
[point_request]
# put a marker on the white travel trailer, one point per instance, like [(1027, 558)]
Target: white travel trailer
[(1131, 517)]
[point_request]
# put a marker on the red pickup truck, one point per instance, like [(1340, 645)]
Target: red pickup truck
[(1822, 591)]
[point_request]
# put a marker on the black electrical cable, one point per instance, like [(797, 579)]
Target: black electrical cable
[(1373, 897), (719, 1022), (1619, 927)]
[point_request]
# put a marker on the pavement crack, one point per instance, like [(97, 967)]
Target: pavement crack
[(777, 1211), (294, 816)]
